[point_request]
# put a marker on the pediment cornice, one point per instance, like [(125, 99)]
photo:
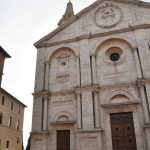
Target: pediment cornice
[(44, 40)]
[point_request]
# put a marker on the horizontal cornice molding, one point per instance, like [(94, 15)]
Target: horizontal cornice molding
[(129, 29), (116, 105), (86, 10), (143, 82)]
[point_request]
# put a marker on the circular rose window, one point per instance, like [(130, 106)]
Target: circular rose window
[(114, 55)]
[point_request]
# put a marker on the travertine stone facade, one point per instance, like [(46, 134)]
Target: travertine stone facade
[(92, 68), (11, 116)]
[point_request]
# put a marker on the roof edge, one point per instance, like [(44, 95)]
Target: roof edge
[(4, 52), (12, 96)]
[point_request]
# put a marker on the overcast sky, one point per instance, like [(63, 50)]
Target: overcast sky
[(22, 23)]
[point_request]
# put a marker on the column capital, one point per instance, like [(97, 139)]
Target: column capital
[(135, 48), (93, 54), (41, 94), (143, 82), (47, 63)]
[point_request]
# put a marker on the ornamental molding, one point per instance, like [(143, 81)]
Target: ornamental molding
[(108, 15), (93, 88), (143, 82), (97, 35), (125, 85), (62, 92), (120, 105), (84, 11), (44, 93), (89, 131)]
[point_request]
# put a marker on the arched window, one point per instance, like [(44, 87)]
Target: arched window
[(3, 100), (7, 144), (18, 140), (10, 122), (17, 125), (12, 104), (18, 109)]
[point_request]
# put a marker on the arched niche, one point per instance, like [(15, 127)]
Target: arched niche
[(62, 68), (63, 117), (115, 62), (61, 50), (113, 42), (119, 97)]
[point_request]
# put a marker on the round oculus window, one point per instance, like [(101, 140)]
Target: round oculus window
[(114, 57)]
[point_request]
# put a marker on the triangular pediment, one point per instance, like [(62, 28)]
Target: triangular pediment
[(114, 15)]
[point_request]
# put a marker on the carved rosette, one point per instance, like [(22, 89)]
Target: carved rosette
[(108, 15)]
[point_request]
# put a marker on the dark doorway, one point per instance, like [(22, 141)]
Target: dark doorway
[(123, 134), (63, 139)]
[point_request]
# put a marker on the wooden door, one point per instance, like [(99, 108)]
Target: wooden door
[(123, 134), (63, 139)]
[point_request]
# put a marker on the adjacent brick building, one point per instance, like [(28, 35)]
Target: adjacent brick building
[(11, 115)]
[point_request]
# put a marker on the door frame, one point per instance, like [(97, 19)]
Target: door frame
[(62, 127), (134, 108)]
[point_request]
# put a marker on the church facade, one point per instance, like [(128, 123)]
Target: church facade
[(92, 83)]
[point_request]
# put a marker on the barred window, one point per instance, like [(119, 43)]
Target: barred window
[(1, 118)]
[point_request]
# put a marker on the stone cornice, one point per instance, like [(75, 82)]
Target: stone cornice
[(80, 89), (62, 123), (124, 30), (147, 126), (40, 133), (116, 105), (143, 82), (63, 92), (41, 93), (48, 93), (119, 85), (84, 11), (89, 131), (93, 88)]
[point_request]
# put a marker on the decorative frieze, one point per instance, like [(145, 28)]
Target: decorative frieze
[(62, 102), (87, 88)]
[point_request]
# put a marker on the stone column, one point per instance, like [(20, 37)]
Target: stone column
[(45, 114), (97, 113), (148, 93), (78, 70), (87, 110), (147, 130), (137, 63), (79, 124), (47, 75), (37, 114), (144, 104), (94, 68)]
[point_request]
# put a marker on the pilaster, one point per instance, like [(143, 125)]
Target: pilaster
[(96, 109), (79, 113), (144, 90), (88, 107), (137, 63), (47, 68), (94, 69), (78, 70)]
